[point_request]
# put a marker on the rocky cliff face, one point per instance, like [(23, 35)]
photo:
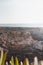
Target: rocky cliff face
[(22, 42)]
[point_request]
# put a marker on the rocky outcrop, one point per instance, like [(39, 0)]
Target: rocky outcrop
[(22, 42)]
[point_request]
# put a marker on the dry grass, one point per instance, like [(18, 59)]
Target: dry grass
[(16, 61)]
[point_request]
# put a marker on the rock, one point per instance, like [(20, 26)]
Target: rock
[(37, 34), (22, 42), (38, 45)]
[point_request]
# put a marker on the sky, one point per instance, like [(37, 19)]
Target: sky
[(21, 11)]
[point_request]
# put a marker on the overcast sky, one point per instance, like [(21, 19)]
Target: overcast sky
[(21, 11)]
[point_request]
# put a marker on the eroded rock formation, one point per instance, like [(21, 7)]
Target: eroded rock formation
[(22, 42)]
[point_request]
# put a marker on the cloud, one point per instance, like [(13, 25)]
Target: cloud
[(24, 11)]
